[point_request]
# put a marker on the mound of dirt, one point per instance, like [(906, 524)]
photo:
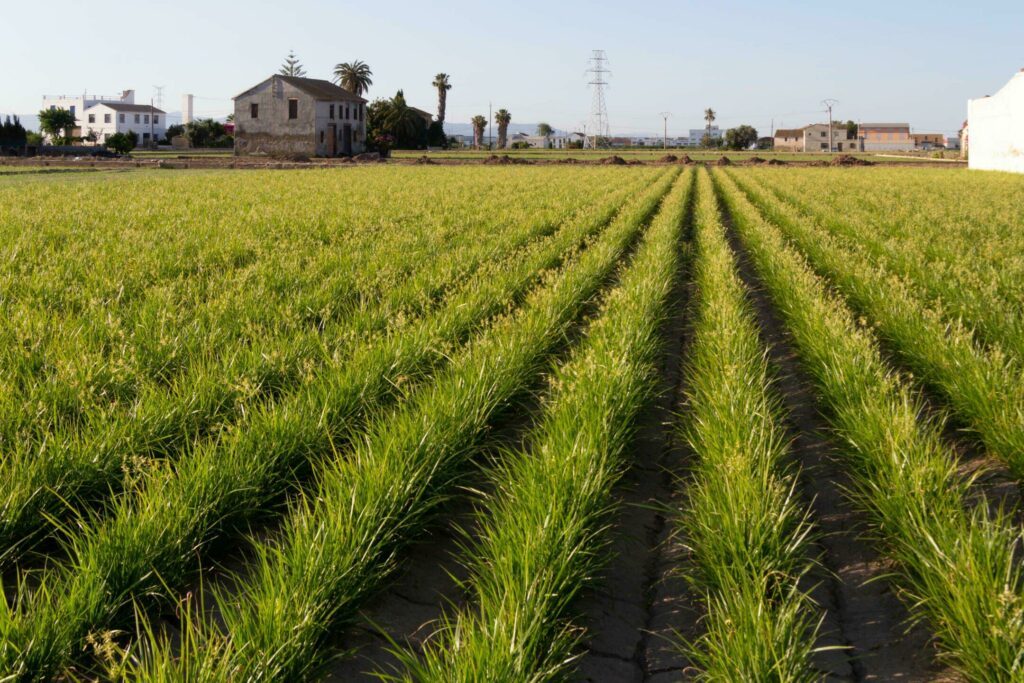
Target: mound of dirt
[(685, 159), (635, 162), (570, 160), (756, 160), (776, 162), (723, 161), (614, 160), (504, 160), (367, 156), (669, 159), (425, 160), (847, 160)]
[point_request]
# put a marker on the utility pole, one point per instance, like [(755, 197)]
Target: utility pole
[(152, 142), (664, 115), (490, 131), (829, 103)]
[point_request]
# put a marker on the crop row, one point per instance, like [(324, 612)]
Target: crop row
[(745, 526), (985, 387), (91, 465), (954, 563), (105, 303), (151, 540), (541, 535)]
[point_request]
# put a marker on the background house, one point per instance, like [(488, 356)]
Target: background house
[(107, 118), (885, 137), (996, 126), (814, 138), (77, 104), (696, 135), (928, 140), (290, 116)]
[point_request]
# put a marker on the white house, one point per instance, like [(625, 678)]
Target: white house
[(106, 118), (696, 135), (77, 104), (996, 126)]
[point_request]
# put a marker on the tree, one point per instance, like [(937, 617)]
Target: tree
[(395, 118), (479, 124), (741, 137), (207, 133), (292, 66), (502, 117), (544, 129), (57, 124), (173, 132), (354, 76), (710, 142), (709, 116), (122, 143), (851, 130), (13, 135), (443, 86)]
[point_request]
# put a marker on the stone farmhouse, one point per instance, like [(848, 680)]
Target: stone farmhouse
[(299, 117)]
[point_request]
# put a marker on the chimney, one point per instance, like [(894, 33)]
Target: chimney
[(128, 97), (186, 109)]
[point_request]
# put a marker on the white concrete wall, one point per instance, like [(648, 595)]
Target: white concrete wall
[(996, 129), (105, 129)]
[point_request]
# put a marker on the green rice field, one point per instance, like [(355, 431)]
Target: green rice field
[(464, 423)]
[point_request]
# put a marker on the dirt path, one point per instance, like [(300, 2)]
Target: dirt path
[(640, 601), (862, 614)]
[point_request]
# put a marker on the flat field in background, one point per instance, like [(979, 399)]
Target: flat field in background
[(256, 423)]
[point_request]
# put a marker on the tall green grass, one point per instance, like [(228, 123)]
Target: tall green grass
[(88, 465), (984, 387), (340, 543), (744, 524), (150, 542), (955, 566), (542, 535)]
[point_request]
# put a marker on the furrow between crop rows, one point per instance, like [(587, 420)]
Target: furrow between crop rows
[(954, 567), (541, 534), (747, 529)]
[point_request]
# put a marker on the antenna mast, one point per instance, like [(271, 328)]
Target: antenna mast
[(598, 72)]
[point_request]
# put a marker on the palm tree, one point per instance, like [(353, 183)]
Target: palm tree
[(479, 124), (292, 67), (544, 129), (502, 117), (401, 119), (443, 86), (709, 116), (354, 76)]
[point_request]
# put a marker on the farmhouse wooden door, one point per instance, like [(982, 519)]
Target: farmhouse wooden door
[(332, 134), (346, 139)]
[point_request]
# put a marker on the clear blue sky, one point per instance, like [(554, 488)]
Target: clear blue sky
[(905, 60)]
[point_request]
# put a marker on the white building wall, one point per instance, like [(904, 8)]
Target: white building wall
[(107, 121), (996, 129)]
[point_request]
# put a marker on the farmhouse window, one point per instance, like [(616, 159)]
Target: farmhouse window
[(136, 118), (254, 110), (330, 115), (106, 118), (92, 118), (156, 118), (321, 137), (293, 109), (120, 118), (145, 119)]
